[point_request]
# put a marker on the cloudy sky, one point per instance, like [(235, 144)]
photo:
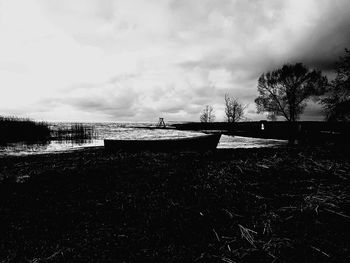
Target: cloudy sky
[(136, 60)]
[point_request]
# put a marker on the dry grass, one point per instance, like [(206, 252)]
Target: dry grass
[(280, 205)]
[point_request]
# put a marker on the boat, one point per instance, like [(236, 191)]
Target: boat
[(201, 143)]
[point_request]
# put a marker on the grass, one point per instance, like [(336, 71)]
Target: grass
[(13, 129), (257, 205)]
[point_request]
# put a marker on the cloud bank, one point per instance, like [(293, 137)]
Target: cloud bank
[(131, 60)]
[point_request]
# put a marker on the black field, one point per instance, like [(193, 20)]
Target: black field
[(258, 205)]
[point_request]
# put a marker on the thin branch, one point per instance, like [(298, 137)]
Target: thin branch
[(279, 104)]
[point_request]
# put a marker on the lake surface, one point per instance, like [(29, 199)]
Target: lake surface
[(127, 131)]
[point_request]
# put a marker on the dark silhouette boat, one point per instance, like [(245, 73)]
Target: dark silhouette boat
[(202, 143)]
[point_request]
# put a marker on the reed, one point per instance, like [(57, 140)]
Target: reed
[(74, 132), (14, 129)]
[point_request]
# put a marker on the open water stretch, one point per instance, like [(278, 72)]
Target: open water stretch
[(124, 131)]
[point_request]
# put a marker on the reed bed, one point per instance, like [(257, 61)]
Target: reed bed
[(74, 132), (13, 129), (254, 205)]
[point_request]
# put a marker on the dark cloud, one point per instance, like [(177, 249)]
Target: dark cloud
[(119, 106), (327, 39), (322, 39), (133, 60)]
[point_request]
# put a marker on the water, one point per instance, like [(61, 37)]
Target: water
[(127, 131)]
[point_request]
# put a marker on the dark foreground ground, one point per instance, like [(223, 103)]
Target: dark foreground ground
[(259, 205)]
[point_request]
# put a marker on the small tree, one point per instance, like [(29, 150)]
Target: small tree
[(207, 114), (234, 110), (284, 92), (337, 102)]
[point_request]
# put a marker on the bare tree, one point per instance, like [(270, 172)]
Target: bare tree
[(284, 92), (207, 114), (234, 110)]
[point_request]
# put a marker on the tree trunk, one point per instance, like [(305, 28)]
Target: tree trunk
[(292, 133)]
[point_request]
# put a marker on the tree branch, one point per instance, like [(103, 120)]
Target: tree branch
[(279, 104)]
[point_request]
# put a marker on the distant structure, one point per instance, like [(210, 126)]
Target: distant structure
[(161, 123), (263, 124)]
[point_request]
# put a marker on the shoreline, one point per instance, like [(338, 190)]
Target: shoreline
[(244, 205), (226, 142)]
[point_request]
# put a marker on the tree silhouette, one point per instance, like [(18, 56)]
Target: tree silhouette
[(207, 114), (337, 102), (284, 91), (234, 110)]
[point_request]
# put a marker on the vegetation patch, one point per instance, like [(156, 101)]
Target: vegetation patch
[(13, 129), (257, 205)]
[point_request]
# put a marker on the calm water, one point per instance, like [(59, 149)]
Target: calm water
[(126, 131)]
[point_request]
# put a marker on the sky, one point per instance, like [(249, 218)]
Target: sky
[(137, 60)]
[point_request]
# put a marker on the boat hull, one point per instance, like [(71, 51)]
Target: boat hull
[(199, 143)]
